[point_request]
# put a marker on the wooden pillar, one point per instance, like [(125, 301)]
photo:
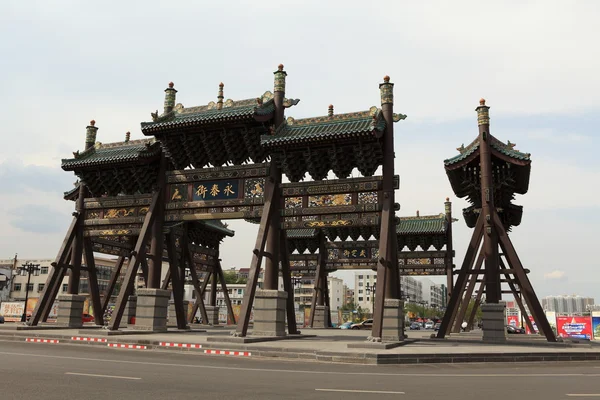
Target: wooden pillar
[(213, 291), (113, 281), (157, 237), (385, 277), (490, 234), (271, 273), (449, 250)]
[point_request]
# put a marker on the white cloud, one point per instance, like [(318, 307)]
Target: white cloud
[(556, 274)]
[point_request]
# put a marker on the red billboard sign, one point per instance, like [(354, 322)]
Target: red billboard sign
[(534, 326), (513, 320), (574, 327)]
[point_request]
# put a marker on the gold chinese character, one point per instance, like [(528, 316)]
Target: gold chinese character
[(228, 190), (362, 253), (214, 190), (354, 253), (201, 191), (346, 253), (176, 195)]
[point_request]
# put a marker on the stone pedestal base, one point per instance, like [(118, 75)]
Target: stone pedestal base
[(269, 313), (393, 321), (129, 313), (213, 315), (151, 311), (494, 322), (172, 314), (321, 317), (70, 310)]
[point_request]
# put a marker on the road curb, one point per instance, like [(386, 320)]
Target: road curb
[(231, 349)]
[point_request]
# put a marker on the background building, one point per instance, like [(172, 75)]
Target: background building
[(336, 293), (567, 304), (433, 293)]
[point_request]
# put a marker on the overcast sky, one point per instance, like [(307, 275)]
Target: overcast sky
[(536, 62)]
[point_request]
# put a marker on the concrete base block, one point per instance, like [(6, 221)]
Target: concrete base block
[(129, 313), (493, 320), (269, 313), (213, 315), (151, 311), (393, 321), (70, 310), (172, 315), (321, 317)]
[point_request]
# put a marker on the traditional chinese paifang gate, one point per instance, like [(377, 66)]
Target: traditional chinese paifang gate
[(489, 173), (183, 182), (424, 246)]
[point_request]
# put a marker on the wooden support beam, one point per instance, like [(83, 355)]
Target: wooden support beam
[(287, 284), (461, 280), (174, 267), (476, 305), (221, 275), (56, 276), (257, 255), (55, 288), (93, 281), (517, 298), (464, 303), (112, 283), (133, 265), (166, 281), (523, 281), (199, 303), (144, 265)]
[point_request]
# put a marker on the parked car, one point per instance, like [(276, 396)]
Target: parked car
[(366, 324), (429, 325), (88, 318), (436, 327), (415, 326), (346, 325), (1, 319), (514, 329)]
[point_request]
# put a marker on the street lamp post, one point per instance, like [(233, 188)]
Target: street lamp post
[(28, 267)]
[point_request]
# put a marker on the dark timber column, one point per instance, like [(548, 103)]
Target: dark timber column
[(71, 304), (449, 250), (492, 311), (212, 309), (157, 237), (270, 304), (271, 275), (321, 311), (386, 305), (490, 236)]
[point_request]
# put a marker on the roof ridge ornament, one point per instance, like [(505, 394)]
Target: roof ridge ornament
[(220, 97), (386, 90), (483, 116), (90, 134), (170, 96), (279, 84)]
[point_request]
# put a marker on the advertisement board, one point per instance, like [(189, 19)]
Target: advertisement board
[(513, 320), (596, 326), (574, 327), (527, 330)]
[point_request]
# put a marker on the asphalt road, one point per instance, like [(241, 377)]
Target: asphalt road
[(62, 371)]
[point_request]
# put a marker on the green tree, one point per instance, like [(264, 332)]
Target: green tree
[(231, 277), (478, 312)]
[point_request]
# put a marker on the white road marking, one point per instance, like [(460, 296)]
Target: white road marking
[(583, 395), (297, 371), (358, 391), (104, 376)]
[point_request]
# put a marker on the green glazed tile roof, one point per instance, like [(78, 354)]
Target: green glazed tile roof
[(210, 114), (327, 128), (506, 149), (301, 233), (427, 224), (218, 226), (113, 153)]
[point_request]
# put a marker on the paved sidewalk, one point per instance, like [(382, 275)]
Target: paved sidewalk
[(328, 345)]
